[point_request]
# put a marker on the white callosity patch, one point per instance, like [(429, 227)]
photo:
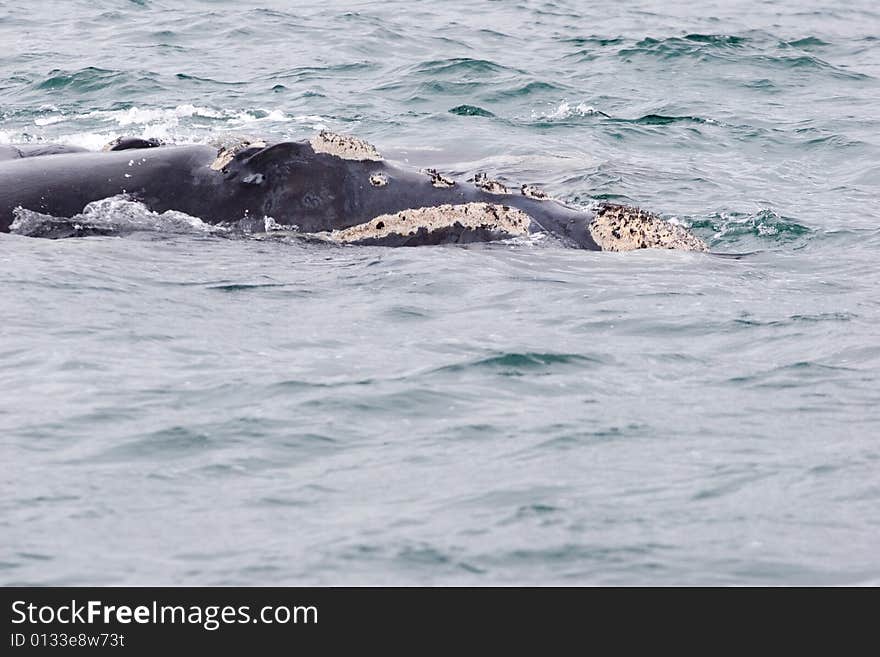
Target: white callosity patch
[(472, 216), (229, 148), (438, 179), (344, 146), (531, 191), (482, 181), (378, 180), (623, 228), (111, 144)]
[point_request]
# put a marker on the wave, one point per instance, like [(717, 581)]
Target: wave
[(470, 110), (535, 87), (691, 45), (516, 363), (143, 116), (602, 42), (116, 215), (661, 119), (182, 123), (743, 230), (461, 66), (120, 216), (565, 110), (806, 43), (88, 79), (762, 50)]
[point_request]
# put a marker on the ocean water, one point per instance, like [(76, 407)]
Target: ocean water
[(183, 408)]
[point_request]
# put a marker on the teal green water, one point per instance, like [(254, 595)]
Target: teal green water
[(184, 409)]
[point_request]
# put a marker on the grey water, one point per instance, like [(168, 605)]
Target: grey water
[(179, 408)]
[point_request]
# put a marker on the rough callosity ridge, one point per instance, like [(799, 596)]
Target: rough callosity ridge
[(623, 228), (531, 191), (228, 149), (483, 182), (474, 216), (438, 179), (344, 146)]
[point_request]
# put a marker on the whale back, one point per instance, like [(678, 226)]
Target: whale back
[(63, 184)]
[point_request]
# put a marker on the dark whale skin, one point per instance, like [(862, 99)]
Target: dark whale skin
[(289, 181)]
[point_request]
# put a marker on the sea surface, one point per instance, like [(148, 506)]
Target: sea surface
[(181, 408)]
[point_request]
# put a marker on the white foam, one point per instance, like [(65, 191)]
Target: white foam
[(133, 215), (765, 231), (145, 116), (185, 123), (141, 116), (93, 141), (566, 110), (50, 120), (116, 214), (317, 123), (763, 223)]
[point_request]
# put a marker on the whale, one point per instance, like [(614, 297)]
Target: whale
[(332, 187), (18, 151)]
